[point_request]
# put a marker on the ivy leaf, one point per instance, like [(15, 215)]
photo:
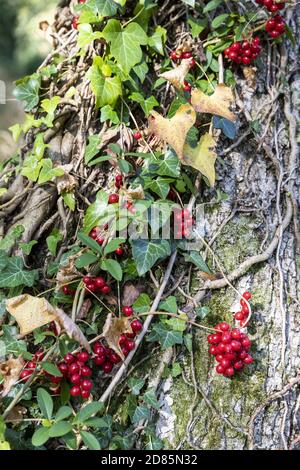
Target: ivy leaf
[(146, 252), (52, 241), (3, 260), (141, 413), (159, 186), (93, 9), (218, 103), (149, 397), (142, 304), (196, 258), (27, 247), (49, 106), (106, 89), (141, 70), (69, 199), (169, 166), (92, 149), (157, 40), (202, 157), (197, 26), (136, 385), (178, 324), (108, 114), (113, 267), (166, 337), (14, 274), (125, 43), (169, 305), (174, 130), (146, 104), (86, 35), (9, 240), (228, 127), (27, 90), (48, 172)]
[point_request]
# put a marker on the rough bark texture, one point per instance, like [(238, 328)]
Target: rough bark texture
[(260, 408)]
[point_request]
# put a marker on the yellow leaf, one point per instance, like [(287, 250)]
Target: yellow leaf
[(177, 75), (30, 312), (174, 130), (34, 312), (202, 157), (218, 103)]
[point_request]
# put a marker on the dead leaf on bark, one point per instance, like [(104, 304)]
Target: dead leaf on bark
[(202, 157), (112, 330), (177, 75), (173, 131), (33, 312), (218, 103), (130, 293), (10, 371), (30, 312), (16, 415)]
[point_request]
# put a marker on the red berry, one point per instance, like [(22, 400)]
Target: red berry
[(115, 359), (222, 347), (136, 326), (224, 326), (55, 379), (137, 135), (98, 348), (64, 369), (186, 55), (232, 55), (105, 290), (128, 311), (86, 371), (75, 391), (173, 55), (85, 393), (248, 359), (83, 356), (220, 369), (119, 251), (25, 374), (100, 240), (247, 295), (210, 339), (107, 367), (229, 372), (39, 355), (246, 343), (86, 384), (75, 22), (130, 345), (91, 287), (99, 360), (226, 338), (124, 350), (100, 282), (219, 357), (113, 199), (225, 363), (75, 379), (123, 339), (217, 338), (73, 368), (192, 63), (69, 358), (214, 350), (243, 354), (31, 365), (118, 181), (236, 345), (238, 365), (236, 334), (239, 316)]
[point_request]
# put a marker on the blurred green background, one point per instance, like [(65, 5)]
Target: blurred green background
[(23, 46)]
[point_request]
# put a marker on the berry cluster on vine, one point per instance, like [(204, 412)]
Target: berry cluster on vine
[(243, 52), (275, 26)]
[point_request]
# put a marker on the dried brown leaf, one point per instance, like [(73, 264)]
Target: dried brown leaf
[(178, 74), (130, 293), (174, 130), (66, 182), (10, 371), (85, 308), (112, 330), (72, 330), (135, 193), (218, 103)]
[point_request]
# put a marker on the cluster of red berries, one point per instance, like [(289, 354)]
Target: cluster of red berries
[(275, 26), (243, 52), (30, 366), (75, 22), (118, 181), (242, 315), (271, 6), (96, 284), (75, 369), (230, 348), (183, 55), (183, 222)]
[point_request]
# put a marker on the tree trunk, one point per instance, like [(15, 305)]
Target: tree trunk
[(254, 237)]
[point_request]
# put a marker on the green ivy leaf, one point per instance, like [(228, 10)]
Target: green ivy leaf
[(159, 186), (197, 26), (14, 274), (125, 43), (69, 199), (149, 397), (146, 252), (48, 172), (157, 40), (45, 403), (92, 149), (166, 338), (113, 267), (50, 106), (108, 114), (212, 5), (169, 305), (27, 90), (10, 239), (52, 241), (27, 247), (176, 369), (146, 104), (195, 258), (86, 35), (142, 304), (141, 413), (136, 385), (170, 165), (106, 89)]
